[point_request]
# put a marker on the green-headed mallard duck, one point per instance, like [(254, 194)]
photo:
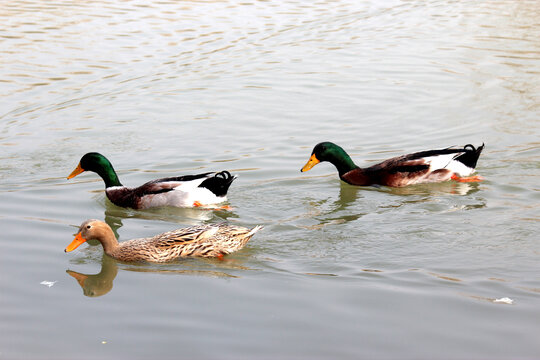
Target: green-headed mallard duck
[(421, 167), (182, 191), (214, 240)]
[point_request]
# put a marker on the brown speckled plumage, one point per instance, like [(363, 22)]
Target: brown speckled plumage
[(210, 240)]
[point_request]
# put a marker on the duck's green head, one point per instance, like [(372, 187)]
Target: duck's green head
[(99, 164), (328, 151)]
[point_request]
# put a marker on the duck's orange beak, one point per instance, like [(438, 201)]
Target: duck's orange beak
[(311, 163), (76, 172), (75, 243), (81, 278)]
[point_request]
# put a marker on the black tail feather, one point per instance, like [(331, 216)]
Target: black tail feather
[(471, 155), (219, 183)]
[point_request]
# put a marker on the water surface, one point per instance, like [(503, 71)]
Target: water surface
[(165, 87)]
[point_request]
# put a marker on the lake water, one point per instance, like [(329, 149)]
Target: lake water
[(166, 88)]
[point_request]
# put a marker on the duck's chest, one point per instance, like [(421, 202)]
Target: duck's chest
[(122, 196)]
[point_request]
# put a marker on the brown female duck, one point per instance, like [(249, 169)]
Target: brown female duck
[(181, 191), (420, 167), (212, 240)]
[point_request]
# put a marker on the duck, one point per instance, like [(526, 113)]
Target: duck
[(182, 191), (207, 240), (416, 168)]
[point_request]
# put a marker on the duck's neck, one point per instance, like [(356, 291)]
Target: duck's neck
[(109, 242), (108, 175), (343, 163)]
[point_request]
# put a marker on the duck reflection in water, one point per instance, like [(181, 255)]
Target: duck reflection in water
[(347, 207), (190, 216), (434, 189), (338, 211), (97, 284)]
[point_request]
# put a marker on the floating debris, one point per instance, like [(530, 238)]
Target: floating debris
[(504, 300), (320, 274), (444, 277), (48, 283)]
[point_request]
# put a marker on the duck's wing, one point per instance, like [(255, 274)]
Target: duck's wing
[(422, 161), (420, 167), (168, 246), (185, 236), (171, 183), (460, 161), (203, 240)]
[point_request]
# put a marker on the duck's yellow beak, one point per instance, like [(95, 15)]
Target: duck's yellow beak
[(311, 163), (76, 172), (75, 243)]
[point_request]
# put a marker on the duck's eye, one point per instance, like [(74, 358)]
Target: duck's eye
[(88, 226)]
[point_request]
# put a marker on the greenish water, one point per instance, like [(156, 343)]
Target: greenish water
[(165, 88)]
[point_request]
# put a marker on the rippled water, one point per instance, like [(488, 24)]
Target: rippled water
[(166, 87)]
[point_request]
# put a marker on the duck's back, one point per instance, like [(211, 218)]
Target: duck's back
[(420, 167), (196, 241)]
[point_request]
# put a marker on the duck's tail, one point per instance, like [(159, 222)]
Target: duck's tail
[(470, 157), (247, 236), (254, 230), (219, 183)]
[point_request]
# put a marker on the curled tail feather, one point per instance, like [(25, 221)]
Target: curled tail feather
[(471, 155), (219, 183)]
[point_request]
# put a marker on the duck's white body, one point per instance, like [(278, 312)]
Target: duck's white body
[(184, 194), (188, 191)]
